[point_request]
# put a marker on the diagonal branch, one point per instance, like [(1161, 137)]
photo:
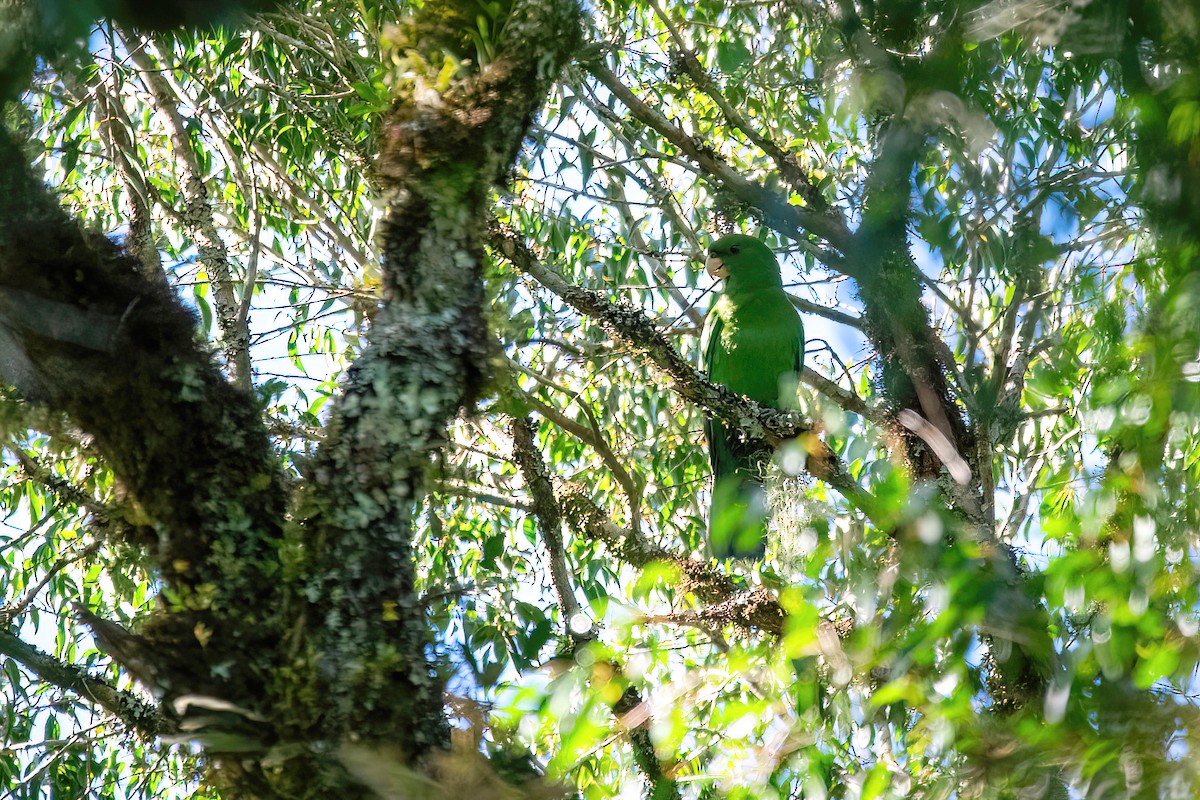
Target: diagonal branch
[(132, 710), (832, 314), (789, 168), (777, 211), (116, 131), (109, 518), (843, 397), (8, 613), (746, 611), (632, 485)]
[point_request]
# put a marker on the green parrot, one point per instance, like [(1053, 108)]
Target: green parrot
[(753, 343)]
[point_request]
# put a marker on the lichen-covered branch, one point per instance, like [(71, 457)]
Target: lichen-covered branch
[(196, 217), (757, 608), (109, 520), (137, 714), (546, 511)]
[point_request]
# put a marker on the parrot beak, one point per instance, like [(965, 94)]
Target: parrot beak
[(716, 268)]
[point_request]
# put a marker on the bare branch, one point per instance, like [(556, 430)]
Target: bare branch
[(631, 484), (843, 397), (243, 315), (12, 612), (833, 314)]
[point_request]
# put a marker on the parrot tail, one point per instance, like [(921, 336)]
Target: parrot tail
[(737, 521)]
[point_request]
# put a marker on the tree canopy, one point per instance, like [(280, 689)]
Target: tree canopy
[(351, 422)]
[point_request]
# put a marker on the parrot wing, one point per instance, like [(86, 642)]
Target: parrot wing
[(720, 457)]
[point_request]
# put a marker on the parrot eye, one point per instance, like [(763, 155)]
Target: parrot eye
[(735, 249)]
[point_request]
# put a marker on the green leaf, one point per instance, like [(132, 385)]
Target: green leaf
[(732, 55)]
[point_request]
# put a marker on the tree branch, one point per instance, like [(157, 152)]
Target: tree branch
[(845, 398), (808, 306), (163, 418), (746, 611), (116, 131), (196, 216), (8, 613), (777, 211), (132, 710), (631, 711), (546, 512), (789, 168), (631, 484)]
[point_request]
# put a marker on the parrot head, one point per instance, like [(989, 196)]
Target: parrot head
[(741, 259)]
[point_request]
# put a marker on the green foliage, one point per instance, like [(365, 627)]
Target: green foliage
[(1048, 216)]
